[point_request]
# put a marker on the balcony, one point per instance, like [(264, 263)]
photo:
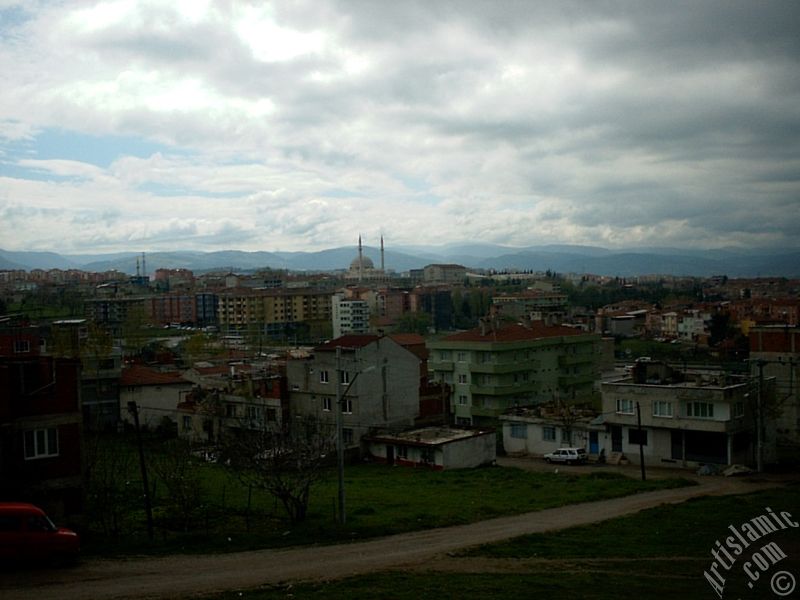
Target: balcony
[(505, 389), (504, 367), (570, 360), (576, 379), (440, 365)]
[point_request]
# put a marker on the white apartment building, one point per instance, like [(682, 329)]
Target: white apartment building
[(349, 315)]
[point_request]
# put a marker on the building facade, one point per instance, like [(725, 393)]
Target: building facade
[(500, 365), (378, 378)]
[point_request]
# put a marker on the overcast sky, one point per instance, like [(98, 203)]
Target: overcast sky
[(298, 126)]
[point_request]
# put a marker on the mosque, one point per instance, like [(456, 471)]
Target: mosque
[(363, 270)]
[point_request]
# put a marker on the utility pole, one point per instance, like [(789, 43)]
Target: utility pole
[(641, 438), (760, 418), (134, 410)]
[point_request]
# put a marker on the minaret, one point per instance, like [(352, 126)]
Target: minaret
[(360, 260), (382, 264)]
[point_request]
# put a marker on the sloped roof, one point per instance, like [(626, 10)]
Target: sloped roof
[(349, 341), (513, 332), (142, 375)]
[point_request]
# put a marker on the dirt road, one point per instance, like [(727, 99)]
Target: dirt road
[(186, 576)]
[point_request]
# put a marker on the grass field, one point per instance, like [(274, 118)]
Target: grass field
[(380, 501), (658, 553)]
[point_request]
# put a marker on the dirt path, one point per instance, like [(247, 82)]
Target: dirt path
[(186, 576)]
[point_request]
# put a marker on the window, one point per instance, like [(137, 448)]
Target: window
[(22, 346), (187, 423), (519, 431), (344, 377), (41, 443), (662, 408), (462, 378), (347, 406), (230, 410), (624, 406), (254, 413), (323, 377), (634, 436), (462, 357), (272, 415), (402, 451), (548, 433), (444, 355), (700, 410), (738, 410), (347, 435), (462, 400), (326, 403), (566, 437)]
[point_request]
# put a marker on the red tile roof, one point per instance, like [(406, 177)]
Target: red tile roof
[(513, 332), (142, 375), (408, 339)]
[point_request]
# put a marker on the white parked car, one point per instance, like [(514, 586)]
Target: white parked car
[(570, 456)]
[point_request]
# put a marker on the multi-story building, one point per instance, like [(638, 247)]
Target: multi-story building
[(349, 315), (686, 419), (165, 309), (40, 424), (101, 369), (503, 364), (275, 311), (378, 380), (533, 304), (444, 273), (775, 353)]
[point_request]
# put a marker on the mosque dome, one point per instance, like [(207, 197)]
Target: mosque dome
[(366, 263)]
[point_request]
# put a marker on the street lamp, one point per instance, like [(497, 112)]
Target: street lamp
[(340, 399)]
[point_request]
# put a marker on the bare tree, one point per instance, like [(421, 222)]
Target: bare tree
[(285, 461), (173, 465)]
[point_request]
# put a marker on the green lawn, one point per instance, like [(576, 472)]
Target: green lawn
[(660, 553), (687, 529), (381, 500)]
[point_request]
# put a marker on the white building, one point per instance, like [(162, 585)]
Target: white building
[(437, 448), (349, 315)]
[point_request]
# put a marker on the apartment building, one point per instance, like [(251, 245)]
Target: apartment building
[(377, 377), (349, 315), (775, 353), (499, 365), (274, 310), (40, 424), (687, 419)]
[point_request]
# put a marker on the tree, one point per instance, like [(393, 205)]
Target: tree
[(286, 461), (175, 469)]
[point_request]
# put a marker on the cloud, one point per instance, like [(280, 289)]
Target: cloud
[(301, 125)]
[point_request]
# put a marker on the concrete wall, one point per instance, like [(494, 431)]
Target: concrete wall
[(385, 394)]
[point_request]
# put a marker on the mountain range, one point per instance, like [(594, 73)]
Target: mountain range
[(733, 262)]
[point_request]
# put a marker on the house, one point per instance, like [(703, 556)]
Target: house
[(541, 429), (500, 365), (377, 379), (437, 448), (156, 393), (245, 399), (687, 419), (40, 424)]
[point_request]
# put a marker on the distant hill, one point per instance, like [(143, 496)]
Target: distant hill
[(559, 258)]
